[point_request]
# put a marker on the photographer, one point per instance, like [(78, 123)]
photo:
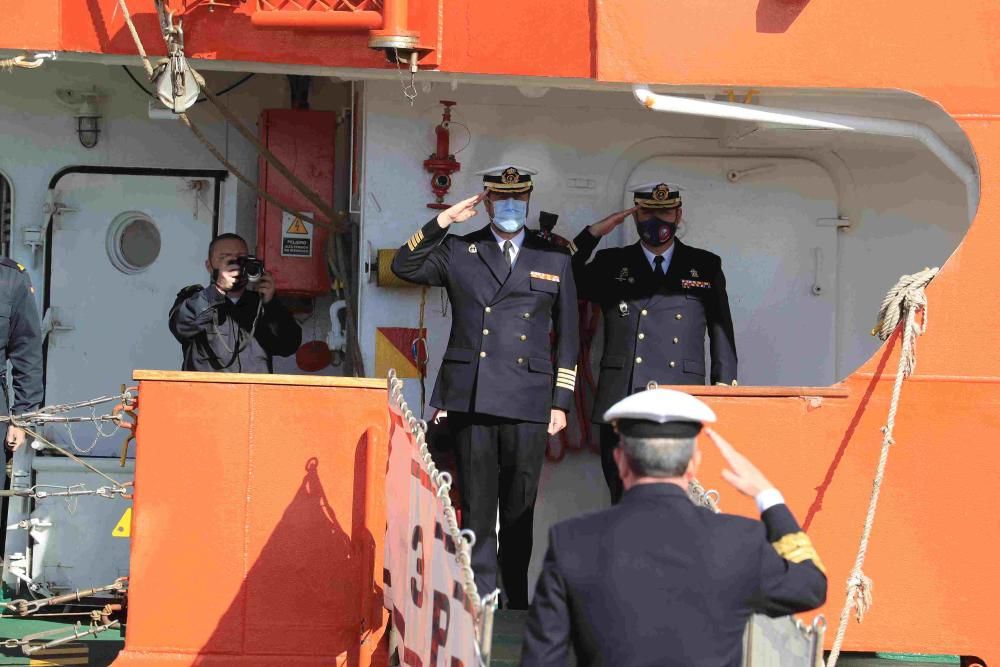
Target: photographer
[(233, 325)]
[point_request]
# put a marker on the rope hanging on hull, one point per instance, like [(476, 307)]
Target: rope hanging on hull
[(899, 308)]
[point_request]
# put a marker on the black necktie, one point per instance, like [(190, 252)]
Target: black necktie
[(508, 253), (658, 268)]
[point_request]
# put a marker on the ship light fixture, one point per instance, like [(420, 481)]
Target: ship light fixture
[(88, 122)]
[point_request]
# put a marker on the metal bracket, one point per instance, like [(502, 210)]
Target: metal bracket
[(839, 223), (50, 323), (34, 237)]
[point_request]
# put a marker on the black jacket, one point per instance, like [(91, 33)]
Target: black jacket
[(499, 359), (214, 333), (658, 581), (655, 333), (20, 338)]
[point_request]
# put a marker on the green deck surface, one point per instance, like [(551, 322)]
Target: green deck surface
[(93, 651)]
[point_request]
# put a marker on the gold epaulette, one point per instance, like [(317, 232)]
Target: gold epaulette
[(797, 547)]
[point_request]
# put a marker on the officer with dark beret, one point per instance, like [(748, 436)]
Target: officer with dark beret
[(504, 396), (658, 298), (656, 579)]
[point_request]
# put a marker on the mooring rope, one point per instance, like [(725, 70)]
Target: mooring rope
[(900, 306)]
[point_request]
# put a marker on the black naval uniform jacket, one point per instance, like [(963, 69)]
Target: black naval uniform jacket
[(657, 581), (211, 329), (20, 338), (655, 333), (499, 359)]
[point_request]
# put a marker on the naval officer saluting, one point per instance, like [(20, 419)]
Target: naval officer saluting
[(657, 580), (658, 297), (509, 289)]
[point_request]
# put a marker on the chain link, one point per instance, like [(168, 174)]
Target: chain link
[(34, 492)]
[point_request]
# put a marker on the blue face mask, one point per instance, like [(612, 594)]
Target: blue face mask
[(509, 215)]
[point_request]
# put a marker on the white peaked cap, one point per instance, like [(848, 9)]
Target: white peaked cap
[(500, 168), (648, 187), (661, 406)]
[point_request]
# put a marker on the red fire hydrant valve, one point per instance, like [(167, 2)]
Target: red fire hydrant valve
[(442, 163)]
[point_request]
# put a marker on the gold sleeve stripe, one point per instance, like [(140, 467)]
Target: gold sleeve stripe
[(571, 377), (568, 386), (415, 240), (572, 248), (797, 547)]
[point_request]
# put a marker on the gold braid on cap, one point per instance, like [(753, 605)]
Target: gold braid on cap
[(659, 197), (509, 180)]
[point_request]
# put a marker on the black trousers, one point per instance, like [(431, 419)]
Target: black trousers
[(609, 440), (499, 462)]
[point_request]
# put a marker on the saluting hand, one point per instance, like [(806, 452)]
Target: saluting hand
[(461, 211), (742, 474), (605, 226)]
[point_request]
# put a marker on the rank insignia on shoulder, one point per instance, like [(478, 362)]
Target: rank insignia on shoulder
[(694, 273), (472, 248), (687, 284), (20, 267), (545, 276)]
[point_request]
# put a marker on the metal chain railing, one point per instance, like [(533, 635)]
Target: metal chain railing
[(483, 608)]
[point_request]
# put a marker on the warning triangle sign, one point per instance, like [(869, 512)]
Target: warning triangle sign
[(297, 227), (124, 526)]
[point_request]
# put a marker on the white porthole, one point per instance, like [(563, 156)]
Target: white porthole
[(133, 242)]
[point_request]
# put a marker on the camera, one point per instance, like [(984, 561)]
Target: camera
[(251, 268)]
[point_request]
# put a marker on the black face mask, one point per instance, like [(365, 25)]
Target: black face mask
[(655, 232)]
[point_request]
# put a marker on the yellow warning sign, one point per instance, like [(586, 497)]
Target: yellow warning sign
[(124, 526), (297, 228)]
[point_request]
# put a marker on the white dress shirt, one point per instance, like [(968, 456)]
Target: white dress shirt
[(651, 256), (515, 242), (768, 498)]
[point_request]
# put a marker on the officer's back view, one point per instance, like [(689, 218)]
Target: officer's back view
[(656, 580)]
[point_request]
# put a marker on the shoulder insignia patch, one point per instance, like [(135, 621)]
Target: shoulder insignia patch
[(7, 261)]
